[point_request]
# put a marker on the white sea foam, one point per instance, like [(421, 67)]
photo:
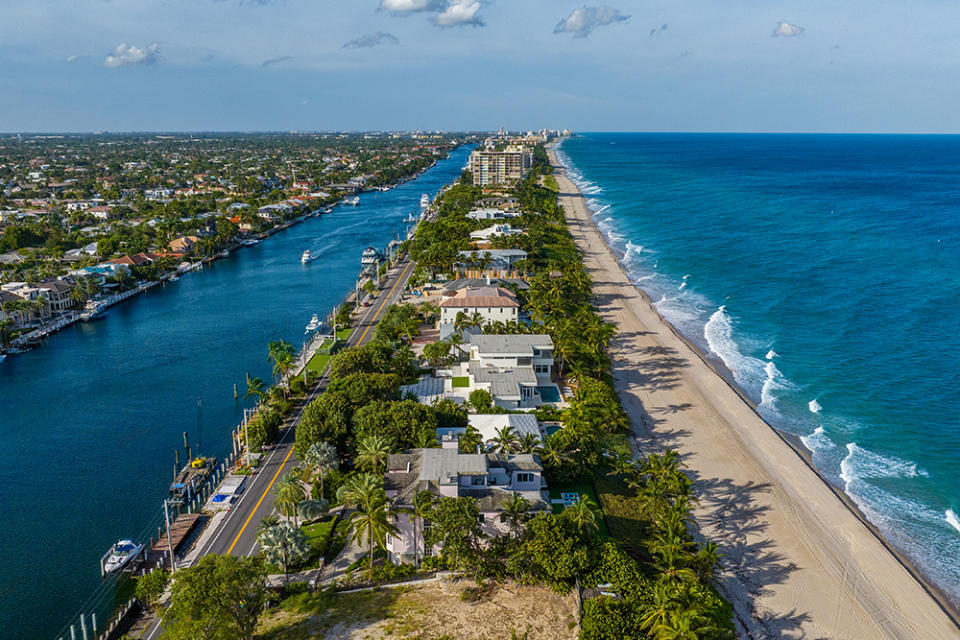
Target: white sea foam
[(862, 465), (753, 374), (771, 354), (814, 406), (951, 518), (817, 441), (601, 210)]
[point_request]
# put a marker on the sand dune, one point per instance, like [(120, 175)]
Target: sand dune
[(798, 562)]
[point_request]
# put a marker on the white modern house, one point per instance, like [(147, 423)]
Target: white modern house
[(490, 424), (489, 478), (492, 214), (493, 231), (515, 369)]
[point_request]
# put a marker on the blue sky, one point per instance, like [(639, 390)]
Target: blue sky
[(657, 65)]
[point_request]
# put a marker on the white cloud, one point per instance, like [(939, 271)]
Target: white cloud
[(127, 55), (410, 6), (582, 21), (371, 40), (449, 13), (787, 30), (460, 12), (658, 30), (72, 58)]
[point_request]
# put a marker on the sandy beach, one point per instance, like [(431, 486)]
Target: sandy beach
[(799, 563)]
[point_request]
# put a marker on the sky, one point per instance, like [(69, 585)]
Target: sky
[(621, 65)]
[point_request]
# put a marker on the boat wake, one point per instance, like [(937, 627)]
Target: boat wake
[(951, 518)]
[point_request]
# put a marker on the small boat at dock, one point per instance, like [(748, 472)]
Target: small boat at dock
[(314, 324), (120, 555), (306, 258), (424, 201), (353, 202)]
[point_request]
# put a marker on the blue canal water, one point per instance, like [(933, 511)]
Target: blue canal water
[(824, 271), (89, 422)]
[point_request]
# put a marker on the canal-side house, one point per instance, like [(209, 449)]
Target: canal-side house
[(515, 369), (489, 478), (184, 244), (58, 293), (491, 213)]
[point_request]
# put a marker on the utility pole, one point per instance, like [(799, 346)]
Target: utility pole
[(166, 515), (246, 436)]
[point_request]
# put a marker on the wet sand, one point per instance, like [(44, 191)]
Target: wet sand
[(798, 561)]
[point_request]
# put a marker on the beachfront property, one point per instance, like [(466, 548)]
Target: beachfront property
[(490, 167), (490, 213), (491, 263), (490, 424), (490, 478), (493, 231), (515, 369), (494, 304)]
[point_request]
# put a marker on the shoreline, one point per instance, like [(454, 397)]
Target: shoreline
[(882, 612)]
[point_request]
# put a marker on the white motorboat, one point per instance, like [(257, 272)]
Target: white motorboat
[(314, 323), (370, 256), (424, 201), (305, 258), (353, 202), (120, 555), (3, 357)]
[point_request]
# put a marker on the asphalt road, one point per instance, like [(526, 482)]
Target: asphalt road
[(236, 534)]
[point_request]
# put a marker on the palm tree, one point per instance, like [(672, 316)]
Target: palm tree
[(372, 452), (707, 561), (426, 439), (268, 521), (321, 457), (255, 387), (456, 341), (284, 544), (515, 509), (506, 440), (470, 440), (374, 521), (360, 489), (422, 504), (527, 443), (582, 514), (290, 493), (6, 331), (476, 320), (554, 450), (282, 354)]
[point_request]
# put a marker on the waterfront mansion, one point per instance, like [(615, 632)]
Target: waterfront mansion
[(491, 478)]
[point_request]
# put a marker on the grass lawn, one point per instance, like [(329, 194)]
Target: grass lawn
[(319, 534), (623, 512), (460, 382), (584, 489), (318, 363)]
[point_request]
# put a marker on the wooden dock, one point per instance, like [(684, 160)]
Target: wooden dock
[(180, 529)]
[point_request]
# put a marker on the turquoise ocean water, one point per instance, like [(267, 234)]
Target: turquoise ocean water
[(824, 271), (89, 421)]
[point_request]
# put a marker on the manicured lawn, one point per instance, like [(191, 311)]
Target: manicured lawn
[(318, 363), (584, 489), (319, 534), (461, 381)]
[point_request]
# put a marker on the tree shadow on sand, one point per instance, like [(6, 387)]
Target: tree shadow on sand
[(751, 563)]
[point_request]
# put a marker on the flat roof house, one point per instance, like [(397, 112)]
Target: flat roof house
[(513, 368), (489, 478)]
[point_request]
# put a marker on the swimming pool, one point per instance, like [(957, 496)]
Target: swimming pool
[(549, 394)]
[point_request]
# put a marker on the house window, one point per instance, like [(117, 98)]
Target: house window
[(478, 481), (523, 476)]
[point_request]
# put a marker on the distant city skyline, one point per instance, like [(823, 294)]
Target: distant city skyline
[(243, 65)]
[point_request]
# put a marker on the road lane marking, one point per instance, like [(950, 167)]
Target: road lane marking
[(284, 463), (257, 506), (385, 301)]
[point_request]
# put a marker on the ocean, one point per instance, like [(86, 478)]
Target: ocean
[(824, 272), (90, 420)]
